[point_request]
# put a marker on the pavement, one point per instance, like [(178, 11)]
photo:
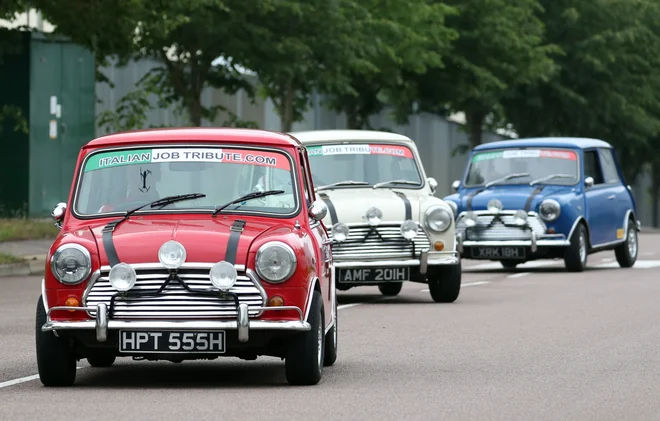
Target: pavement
[(534, 344)]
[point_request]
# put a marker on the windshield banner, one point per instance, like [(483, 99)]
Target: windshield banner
[(526, 153), (360, 149), (230, 156)]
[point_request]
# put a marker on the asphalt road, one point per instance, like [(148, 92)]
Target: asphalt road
[(538, 344)]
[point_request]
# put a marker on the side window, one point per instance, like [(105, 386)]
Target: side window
[(592, 167), (610, 172)]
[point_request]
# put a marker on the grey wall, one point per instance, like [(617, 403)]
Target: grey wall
[(435, 136)]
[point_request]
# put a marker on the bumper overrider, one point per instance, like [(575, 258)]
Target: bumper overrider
[(103, 321)]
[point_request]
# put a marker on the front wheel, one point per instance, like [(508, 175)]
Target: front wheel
[(445, 283), (101, 360), (575, 256), (390, 289), (626, 253), (56, 360), (304, 357)]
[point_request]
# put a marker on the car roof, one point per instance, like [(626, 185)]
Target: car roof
[(197, 135), (555, 142), (314, 136)]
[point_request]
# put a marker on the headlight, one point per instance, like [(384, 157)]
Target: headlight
[(340, 232), (275, 262), (122, 277), (438, 219), (71, 264), (495, 206), (409, 229), (223, 275), (172, 254), (520, 217), (453, 206), (470, 219), (549, 209), (374, 216)]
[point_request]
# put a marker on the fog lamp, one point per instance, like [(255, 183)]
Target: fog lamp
[(172, 254), (223, 275), (122, 277)]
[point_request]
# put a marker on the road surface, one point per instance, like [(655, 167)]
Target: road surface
[(537, 344)]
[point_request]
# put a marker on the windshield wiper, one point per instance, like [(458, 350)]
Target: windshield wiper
[(160, 202), (342, 183), (249, 196), (550, 177), (384, 183), (505, 178)]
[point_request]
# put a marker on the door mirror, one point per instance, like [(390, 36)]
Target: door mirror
[(318, 210), (589, 182), (455, 185), (58, 214), (432, 184)]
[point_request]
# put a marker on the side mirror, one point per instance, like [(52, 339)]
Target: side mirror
[(58, 214), (318, 210), (455, 185), (589, 182), (433, 184)]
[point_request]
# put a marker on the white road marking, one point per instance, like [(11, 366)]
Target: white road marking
[(640, 264), (518, 275), (607, 259), (22, 380), (532, 264)]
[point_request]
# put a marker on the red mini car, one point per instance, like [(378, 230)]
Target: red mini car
[(180, 244)]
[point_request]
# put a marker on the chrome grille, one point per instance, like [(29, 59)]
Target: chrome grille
[(175, 301), (392, 245), (498, 231)]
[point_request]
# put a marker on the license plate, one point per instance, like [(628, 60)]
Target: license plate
[(374, 275), (498, 252), (171, 342)]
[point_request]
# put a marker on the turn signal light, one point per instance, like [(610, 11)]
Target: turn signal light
[(71, 302), (276, 301), (439, 246), (551, 230)]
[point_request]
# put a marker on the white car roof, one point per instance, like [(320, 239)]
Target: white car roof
[(313, 136)]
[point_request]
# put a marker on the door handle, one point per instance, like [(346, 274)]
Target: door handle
[(610, 197)]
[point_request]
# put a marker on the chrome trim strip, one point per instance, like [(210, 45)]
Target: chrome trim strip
[(43, 293), (243, 322), (310, 296), (579, 218), (332, 323), (424, 262), (257, 283), (102, 323), (449, 258), (543, 243)]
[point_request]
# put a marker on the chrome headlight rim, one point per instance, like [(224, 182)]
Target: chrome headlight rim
[(553, 203), (131, 272), (441, 209), (86, 255), (340, 225), (288, 250), (223, 265), (409, 226)]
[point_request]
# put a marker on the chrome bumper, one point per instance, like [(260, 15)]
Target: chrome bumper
[(533, 243), (439, 258), (242, 323)]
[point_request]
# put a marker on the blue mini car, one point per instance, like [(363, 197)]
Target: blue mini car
[(544, 198)]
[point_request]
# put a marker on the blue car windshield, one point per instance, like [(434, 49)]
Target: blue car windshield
[(523, 166)]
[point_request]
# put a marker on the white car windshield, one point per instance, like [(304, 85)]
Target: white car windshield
[(523, 166), (363, 164), (123, 179)]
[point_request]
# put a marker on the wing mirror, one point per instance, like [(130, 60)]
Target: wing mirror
[(589, 182), (433, 184), (318, 210), (58, 214), (455, 185)]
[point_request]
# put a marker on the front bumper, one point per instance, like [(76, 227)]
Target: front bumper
[(242, 323), (425, 260), (533, 243)]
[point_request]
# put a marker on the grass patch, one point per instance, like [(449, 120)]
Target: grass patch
[(8, 258), (15, 229)]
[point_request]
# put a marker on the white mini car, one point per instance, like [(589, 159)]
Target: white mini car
[(386, 226)]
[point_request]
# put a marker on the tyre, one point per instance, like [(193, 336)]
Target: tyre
[(626, 253), (509, 264), (391, 288), (56, 360), (445, 283), (330, 353), (101, 360), (304, 357), (575, 256)]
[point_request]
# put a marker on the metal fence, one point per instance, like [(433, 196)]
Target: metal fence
[(436, 137)]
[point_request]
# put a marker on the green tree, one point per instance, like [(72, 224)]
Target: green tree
[(500, 47), (393, 40)]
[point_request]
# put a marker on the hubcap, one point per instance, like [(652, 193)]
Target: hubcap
[(319, 350), (583, 248), (632, 242)]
